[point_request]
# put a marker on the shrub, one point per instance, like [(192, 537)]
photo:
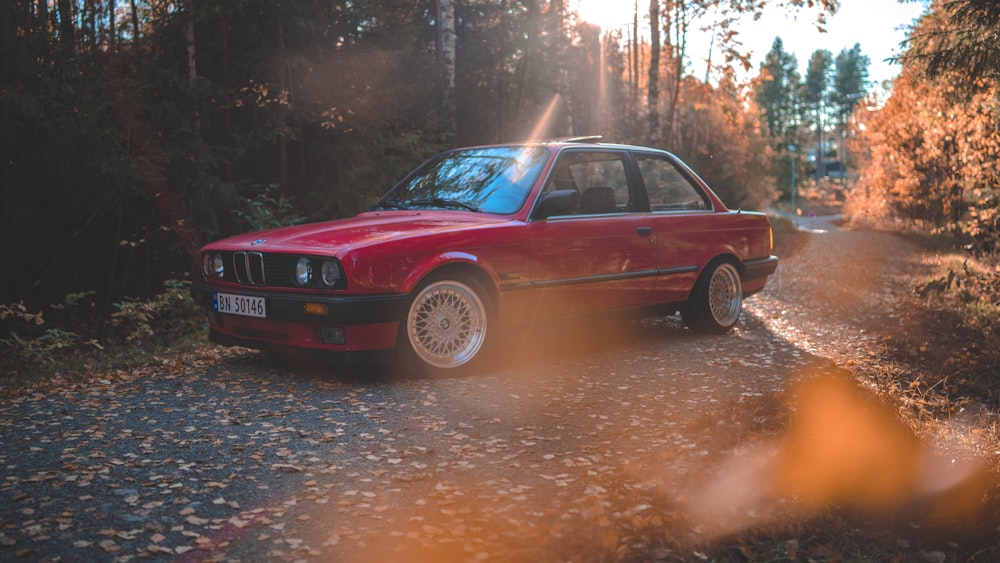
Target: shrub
[(163, 317), (268, 209), (68, 335)]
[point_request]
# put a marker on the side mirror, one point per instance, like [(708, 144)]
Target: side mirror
[(558, 202)]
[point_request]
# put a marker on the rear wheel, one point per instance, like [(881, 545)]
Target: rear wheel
[(716, 301), (446, 324)]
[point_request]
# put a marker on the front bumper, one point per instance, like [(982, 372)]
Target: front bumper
[(366, 323), (321, 356), (348, 310)]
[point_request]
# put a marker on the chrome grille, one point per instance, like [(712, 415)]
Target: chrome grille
[(249, 268)]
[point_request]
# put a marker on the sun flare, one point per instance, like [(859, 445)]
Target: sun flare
[(605, 13)]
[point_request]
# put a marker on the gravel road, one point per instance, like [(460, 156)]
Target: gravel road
[(590, 443)]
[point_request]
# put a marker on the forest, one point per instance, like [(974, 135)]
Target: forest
[(133, 132)]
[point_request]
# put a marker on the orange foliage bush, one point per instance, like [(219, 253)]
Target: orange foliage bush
[(930, 158)]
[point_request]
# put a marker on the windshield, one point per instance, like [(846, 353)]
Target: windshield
[(488, 180)]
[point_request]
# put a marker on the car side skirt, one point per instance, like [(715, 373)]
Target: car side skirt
[(598, 279)]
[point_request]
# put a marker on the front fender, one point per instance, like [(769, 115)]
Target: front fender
[(426, 265)]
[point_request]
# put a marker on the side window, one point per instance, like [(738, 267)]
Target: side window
[(667, 188), (598, 177)]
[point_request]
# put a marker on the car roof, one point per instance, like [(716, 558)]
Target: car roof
[(567, 142)]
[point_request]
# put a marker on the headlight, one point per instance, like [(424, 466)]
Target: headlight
[(302, 272), (211, 265), (330, 273)]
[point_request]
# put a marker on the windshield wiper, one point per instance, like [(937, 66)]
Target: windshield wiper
[(441, 202)]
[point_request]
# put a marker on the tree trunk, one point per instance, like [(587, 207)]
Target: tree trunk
[(635, 53), (820, 153), (135, 22), (653, 93), (113, 26), (677, 52), (67, 29), (282, 116), (224, 73), (189, 41), (88, 26), (192, 62), (446, 42), (524, 66), (40, 17)]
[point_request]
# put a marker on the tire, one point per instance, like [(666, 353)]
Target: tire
[(716, 301), (446, 324)]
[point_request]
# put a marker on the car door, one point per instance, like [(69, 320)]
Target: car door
[(681, 217), (600, 255)]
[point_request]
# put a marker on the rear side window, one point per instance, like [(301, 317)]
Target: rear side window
[(667, 188), (598, 177)]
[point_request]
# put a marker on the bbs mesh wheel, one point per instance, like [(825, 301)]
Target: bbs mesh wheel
[(446, 324), (716, 301)]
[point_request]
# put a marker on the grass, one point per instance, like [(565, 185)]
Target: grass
[(960, 305)]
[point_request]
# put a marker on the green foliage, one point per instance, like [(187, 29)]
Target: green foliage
[(162, 317), (269, 209), (70, 334), (776, 92), (849, 82), (810, 112), (32, 341), (817, 82), (43, 349)]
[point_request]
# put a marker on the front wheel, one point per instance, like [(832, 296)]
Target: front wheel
[(446, 324), (716, 301)]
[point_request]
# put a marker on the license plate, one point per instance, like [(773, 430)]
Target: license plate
[(239, 305)]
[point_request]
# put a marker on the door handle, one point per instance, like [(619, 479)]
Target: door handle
[(644, 231)]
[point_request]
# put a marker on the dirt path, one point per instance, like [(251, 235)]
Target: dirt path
[(850, 296), (843, 292)]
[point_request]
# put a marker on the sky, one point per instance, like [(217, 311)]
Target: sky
[(877, 25)]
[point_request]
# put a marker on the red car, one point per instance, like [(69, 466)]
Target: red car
[(480, 238)]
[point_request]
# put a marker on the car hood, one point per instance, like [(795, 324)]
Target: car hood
[(331, 238)]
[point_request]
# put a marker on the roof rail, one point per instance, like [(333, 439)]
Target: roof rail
[(581, 139)]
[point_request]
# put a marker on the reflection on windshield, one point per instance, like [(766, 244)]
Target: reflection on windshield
[(491, 180)]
